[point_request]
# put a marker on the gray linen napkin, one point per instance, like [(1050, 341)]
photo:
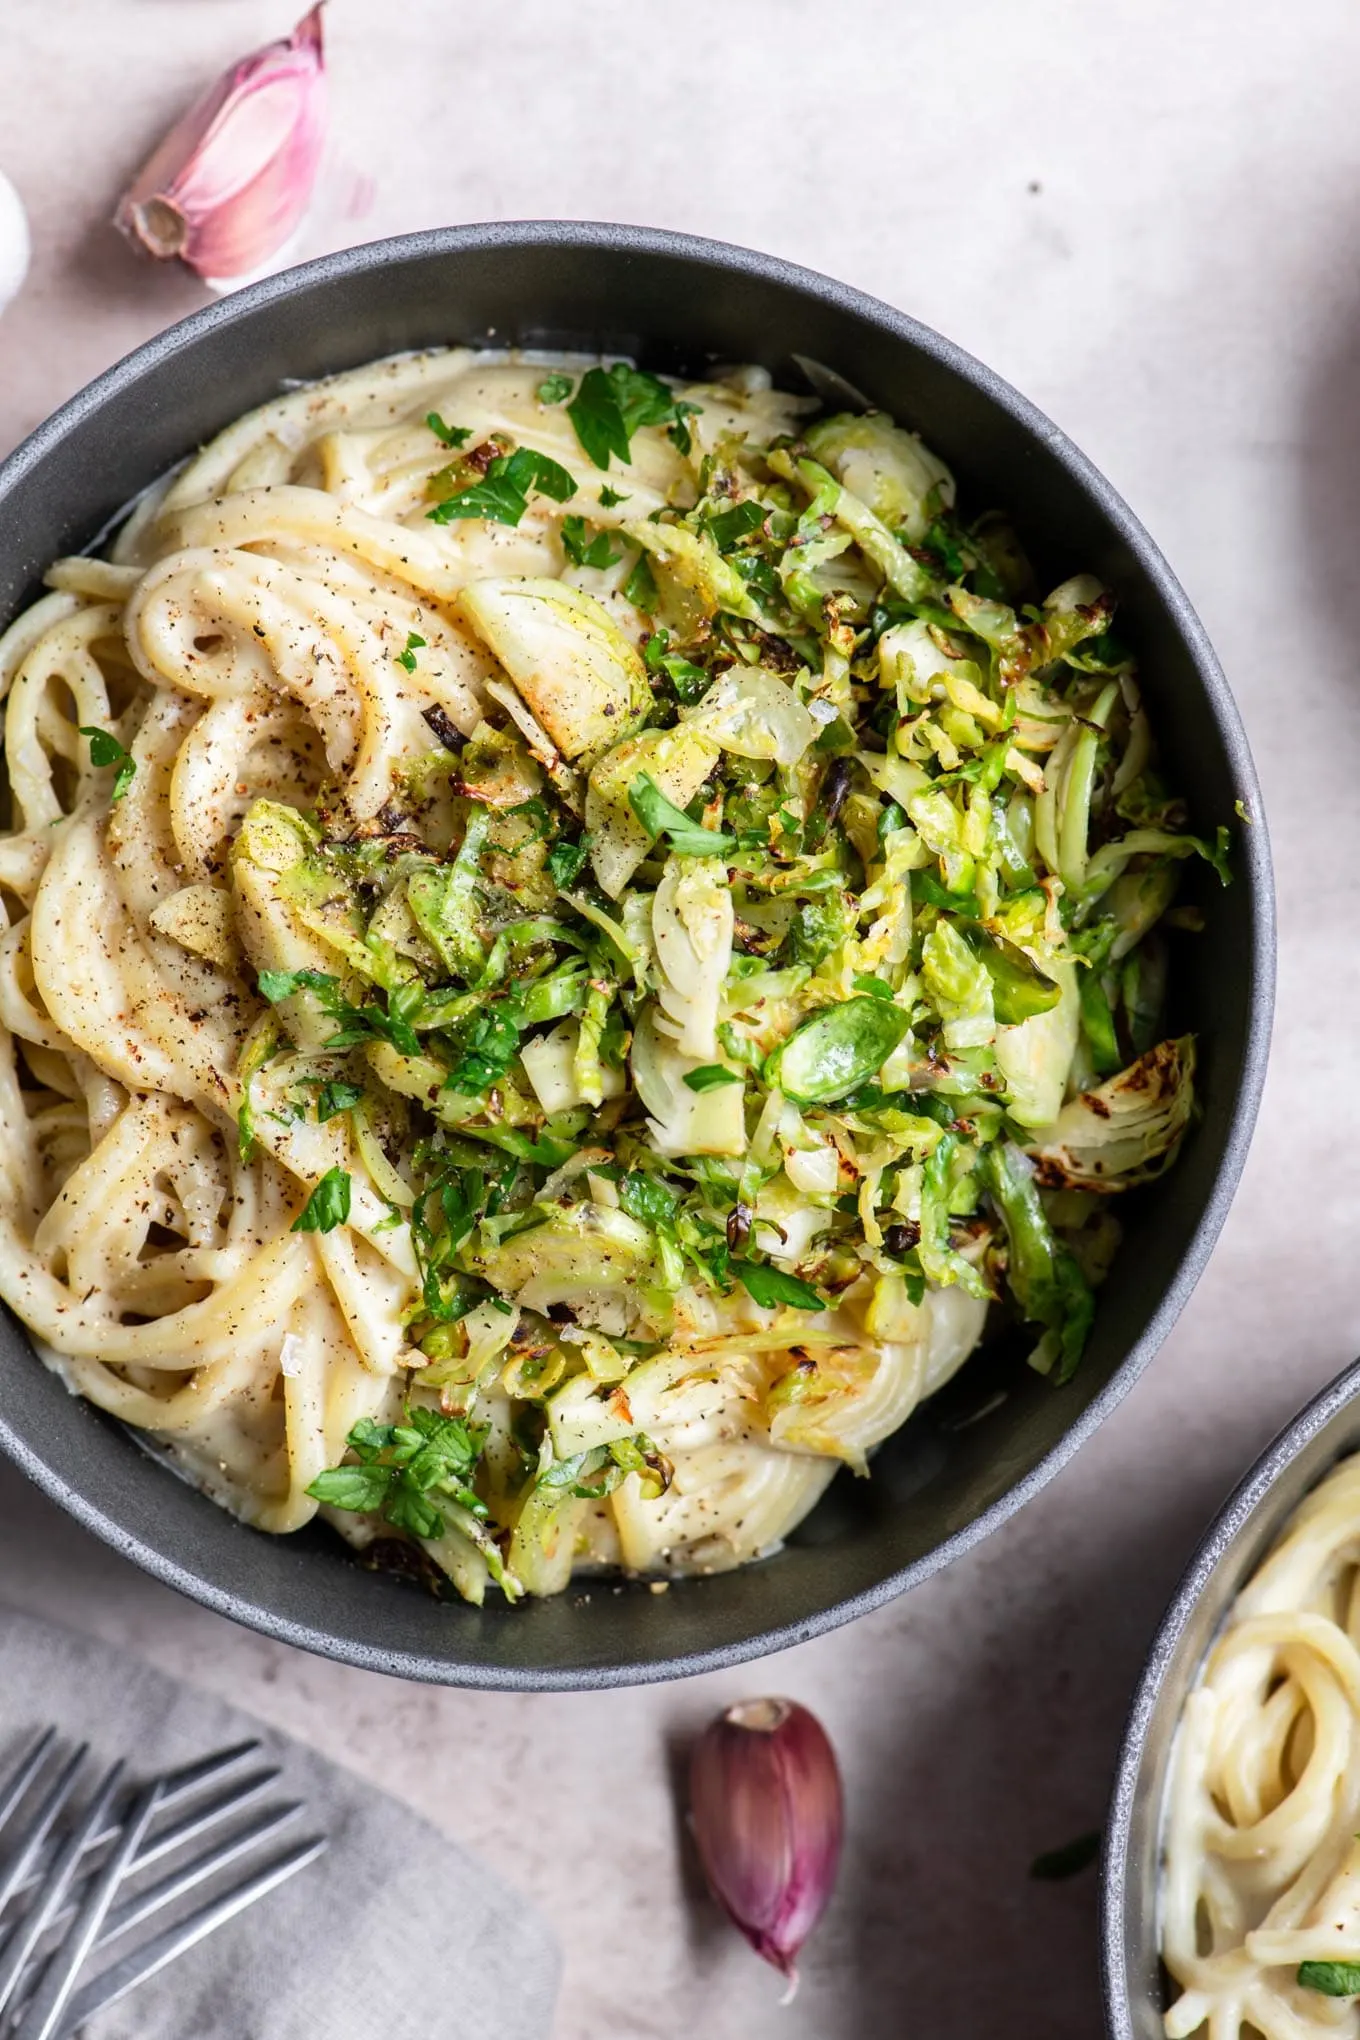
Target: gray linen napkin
[(394, 1931)]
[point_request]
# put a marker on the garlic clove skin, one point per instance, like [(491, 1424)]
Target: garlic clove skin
[(767, 1812), (229, 185), (14, 242)]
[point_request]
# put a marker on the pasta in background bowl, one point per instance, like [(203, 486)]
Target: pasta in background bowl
[(462, 756), (1230, 1852)]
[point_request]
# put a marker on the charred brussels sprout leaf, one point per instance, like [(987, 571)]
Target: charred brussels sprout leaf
[(1044, 1277)]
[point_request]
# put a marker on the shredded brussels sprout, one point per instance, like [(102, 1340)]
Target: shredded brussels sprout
[(784, 943)]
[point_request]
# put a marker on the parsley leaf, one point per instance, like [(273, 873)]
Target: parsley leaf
[(335, 1096), (730, 526), (640, 587), (610, 498), (770, 1286), (660, 816), (1333, 1979), (328, 1205), (404, 1469), (690, 682), (553, 389), (597, 1472), (281, 984), (407, 658), (354, 1024), (566, 861), (647, 1200), (612, 404), (490, 1046), (447, 435), (352, 1487), (597, 552), (502, 495), (710, 1076), (105, 749)]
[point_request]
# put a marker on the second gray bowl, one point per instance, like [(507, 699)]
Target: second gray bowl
[(1250, 1523)]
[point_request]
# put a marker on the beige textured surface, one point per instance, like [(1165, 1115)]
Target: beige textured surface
[(1145, 214)]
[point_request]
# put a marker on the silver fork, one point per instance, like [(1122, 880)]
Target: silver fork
[(59, 1882)]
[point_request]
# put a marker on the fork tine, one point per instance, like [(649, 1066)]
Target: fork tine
[(121, 1977), (44, 2009), (194, 1824), (197, 1870), (36, 1832), (25, 1772), (209, 1815), (28, 1932), (178, 1786)]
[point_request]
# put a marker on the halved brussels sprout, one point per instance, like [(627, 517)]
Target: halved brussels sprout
[(272, 844), (838, 1049), (583, 680), (887, 468), (754, 715), (692, 926), (586, 1256), (693, 560), (1125, 1132)]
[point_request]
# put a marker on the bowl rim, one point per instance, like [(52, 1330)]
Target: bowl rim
[(1248, 1500), (1255, 872)]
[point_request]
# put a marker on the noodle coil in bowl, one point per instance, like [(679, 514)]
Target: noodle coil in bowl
[(545, 1006)]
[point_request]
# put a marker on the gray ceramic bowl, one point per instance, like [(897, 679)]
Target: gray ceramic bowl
[(1251, 1521), (944, 1481)]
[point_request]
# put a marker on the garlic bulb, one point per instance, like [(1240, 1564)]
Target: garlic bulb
[(766, 1810), (14, 242)]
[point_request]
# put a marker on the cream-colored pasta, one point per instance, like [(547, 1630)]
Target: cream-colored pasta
[(1262, 1858), (245, 645)]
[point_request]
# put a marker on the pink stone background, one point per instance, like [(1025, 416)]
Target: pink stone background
[(1142, 214)]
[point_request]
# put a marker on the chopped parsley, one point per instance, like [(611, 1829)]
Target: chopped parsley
[(105, 749), (661, 817), (491, 1045), (336, 1096), (584, 552), (405, 1470), (502, 495), (729, 527), (328, 1205), (710, 1077), (407, 658), (554, 389), (612, 404), (1332, 1979), (566, 861), (640, 587), (771, 1286), (447, 435), (389, 1021), (647, 1200)]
